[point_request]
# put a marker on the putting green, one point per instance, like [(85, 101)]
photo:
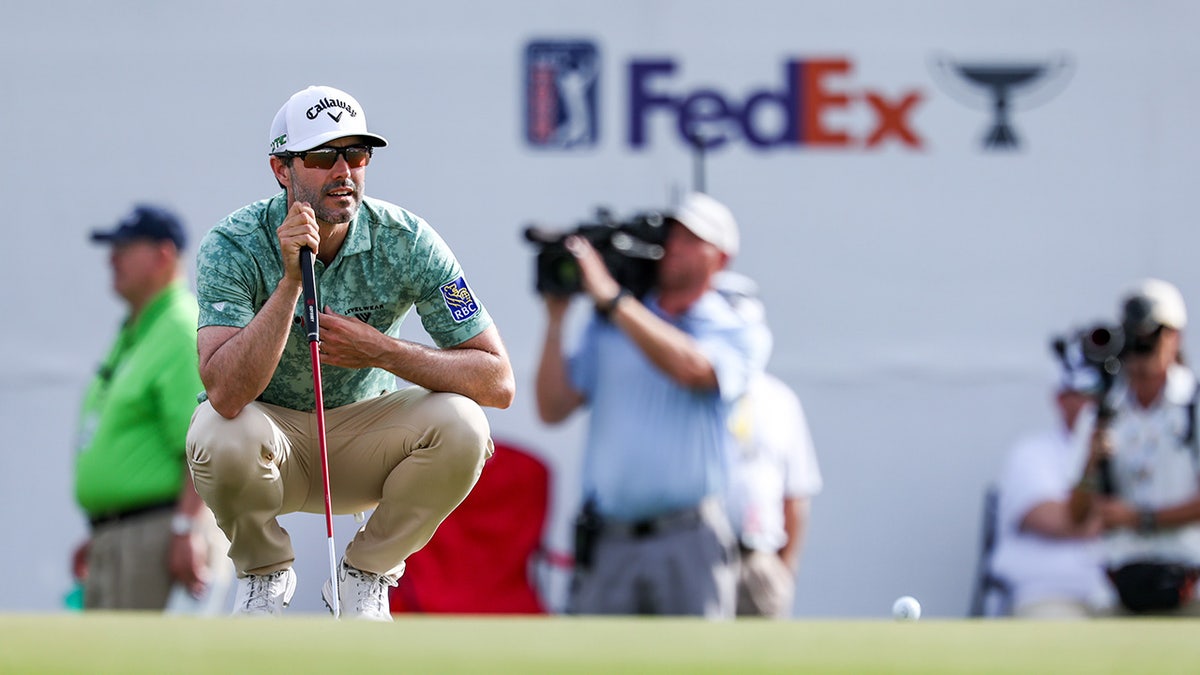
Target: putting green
[(146, 643)]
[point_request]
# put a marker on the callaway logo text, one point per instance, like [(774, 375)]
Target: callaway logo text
[(330, 103)]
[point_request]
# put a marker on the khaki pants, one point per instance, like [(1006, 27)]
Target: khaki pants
[(766, 587), (411, 455), (127, 561)]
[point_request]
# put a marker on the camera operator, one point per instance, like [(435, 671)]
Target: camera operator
[(1142, 474), (660, 376), (1051, 566)]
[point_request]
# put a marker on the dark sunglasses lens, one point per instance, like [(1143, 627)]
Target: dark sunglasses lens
[(320, 159), (1143, 346), (326, 158), (357, 157)]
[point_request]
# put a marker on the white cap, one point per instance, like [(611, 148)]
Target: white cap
[(710, 220), (316, 115), (1163, 303)]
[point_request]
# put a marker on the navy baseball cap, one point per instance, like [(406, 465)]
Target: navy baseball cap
[(145, 222)]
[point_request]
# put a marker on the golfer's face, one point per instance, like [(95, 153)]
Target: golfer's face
[(334, 193)]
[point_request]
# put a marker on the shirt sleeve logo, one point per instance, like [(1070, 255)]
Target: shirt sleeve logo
[(459, 301)]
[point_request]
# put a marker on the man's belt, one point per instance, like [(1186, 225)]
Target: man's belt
[(113, 517), (684, 519)]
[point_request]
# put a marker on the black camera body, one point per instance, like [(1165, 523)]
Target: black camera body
[(1102, 347), (630, 249)]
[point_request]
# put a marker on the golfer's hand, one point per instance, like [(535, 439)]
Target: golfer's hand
[(299, 229), (597, 281), (349, 343)]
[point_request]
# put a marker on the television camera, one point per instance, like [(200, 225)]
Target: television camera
[(630, 249)]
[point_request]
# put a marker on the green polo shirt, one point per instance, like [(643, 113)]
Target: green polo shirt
[(390, 262), (136, 412)]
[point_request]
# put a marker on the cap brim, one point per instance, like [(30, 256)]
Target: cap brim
[(373, 140), (105, 237)]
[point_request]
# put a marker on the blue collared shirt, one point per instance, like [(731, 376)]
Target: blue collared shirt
[(654, 446)]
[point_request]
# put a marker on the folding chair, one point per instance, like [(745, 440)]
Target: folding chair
[(482, 559), (992, 595)]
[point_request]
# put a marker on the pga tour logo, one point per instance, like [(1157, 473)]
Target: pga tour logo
[(561, 82)]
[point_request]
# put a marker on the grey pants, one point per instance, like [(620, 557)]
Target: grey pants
[(411, 455), (687, 570)]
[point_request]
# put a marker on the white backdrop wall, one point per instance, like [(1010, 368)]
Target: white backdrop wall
[(912, 284)]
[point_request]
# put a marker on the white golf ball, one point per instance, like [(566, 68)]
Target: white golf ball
[(906, 609)]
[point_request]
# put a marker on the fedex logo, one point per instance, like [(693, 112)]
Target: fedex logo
[(807, 109)]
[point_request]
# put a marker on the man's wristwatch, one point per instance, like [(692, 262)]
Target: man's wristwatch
[(181, 525), (606, 308)]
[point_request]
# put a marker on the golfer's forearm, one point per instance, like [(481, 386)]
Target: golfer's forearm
[(239, 368), (478, 369)]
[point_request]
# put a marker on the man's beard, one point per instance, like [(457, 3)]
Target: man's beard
[(315, 198)]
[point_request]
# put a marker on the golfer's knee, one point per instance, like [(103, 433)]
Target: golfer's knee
[(464, 431), (223, 450)]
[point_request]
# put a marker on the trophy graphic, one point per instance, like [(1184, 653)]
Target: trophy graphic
[(998, 86)]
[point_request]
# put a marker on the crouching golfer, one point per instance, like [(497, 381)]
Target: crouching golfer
[(411, 454)]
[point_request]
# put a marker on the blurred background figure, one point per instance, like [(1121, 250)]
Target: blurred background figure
[(150, 532), (1051, 565), (1142, 474), (775, 476), (660, 375)]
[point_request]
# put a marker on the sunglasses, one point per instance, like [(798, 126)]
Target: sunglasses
[(324, 158), (1141, 345)]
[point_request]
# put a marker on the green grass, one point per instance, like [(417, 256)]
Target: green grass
[(144, 643)]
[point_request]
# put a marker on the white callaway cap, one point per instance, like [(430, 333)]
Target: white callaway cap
[(1165, 302), (710, 220), (316, 115)]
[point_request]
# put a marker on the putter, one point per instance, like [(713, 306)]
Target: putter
[(312, 327)]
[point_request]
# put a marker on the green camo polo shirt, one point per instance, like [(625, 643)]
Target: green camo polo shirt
[(136, 412), (390, 262)]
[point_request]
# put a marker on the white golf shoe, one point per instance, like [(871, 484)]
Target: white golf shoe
[(363, 595), (264, 594)]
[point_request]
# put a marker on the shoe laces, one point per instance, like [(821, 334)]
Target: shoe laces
[(262, 591), (371, 590)]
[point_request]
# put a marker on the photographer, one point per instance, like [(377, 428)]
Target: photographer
[(660, 376), (1142, 474), (1050, 565)]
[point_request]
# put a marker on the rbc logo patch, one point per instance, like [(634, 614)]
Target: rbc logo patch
[(459, 301), (561, 83)]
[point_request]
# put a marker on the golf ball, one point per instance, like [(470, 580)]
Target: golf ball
[(906, 609)]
